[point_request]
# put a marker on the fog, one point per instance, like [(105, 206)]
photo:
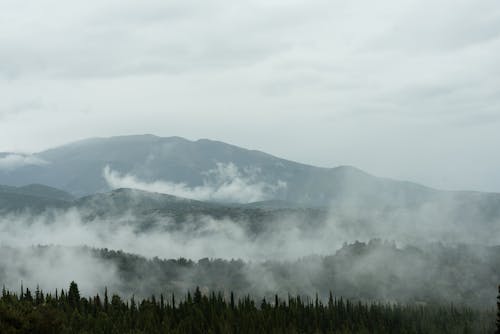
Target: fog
[(288, 255), (13, 161), (194, 239), (53, 268), (225, 183)]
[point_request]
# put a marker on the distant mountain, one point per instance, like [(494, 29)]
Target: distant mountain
[(217, 172), (78, 168)]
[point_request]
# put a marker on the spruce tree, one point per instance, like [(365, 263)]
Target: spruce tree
[(27, 295), (73, 295), (106, 300), (197, 295), (232, 301), (498, 311)]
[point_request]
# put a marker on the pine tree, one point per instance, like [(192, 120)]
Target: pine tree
[(38, 299), (106, 300), (27, 295), (197, 296), (498, 312), (73, 295)]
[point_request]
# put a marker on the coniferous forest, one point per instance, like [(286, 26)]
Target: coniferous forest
[(66, 311)]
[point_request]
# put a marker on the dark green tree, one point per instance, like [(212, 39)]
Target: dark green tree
[(73, 295), (498, 311), (211, 313), (106, 299)]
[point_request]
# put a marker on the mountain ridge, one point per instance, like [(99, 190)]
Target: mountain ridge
[(78, 168)]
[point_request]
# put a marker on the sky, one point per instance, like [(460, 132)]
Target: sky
[(406, 89)]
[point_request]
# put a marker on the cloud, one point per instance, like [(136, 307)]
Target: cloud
[(224, 183), (12, 161), (284, 238)]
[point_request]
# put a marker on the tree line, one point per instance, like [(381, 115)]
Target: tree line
[(66, 311)]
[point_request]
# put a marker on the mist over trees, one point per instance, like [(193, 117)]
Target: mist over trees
[(373, 271)]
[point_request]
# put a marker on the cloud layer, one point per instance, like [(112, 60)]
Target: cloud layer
[(13, 161), (225, 183)]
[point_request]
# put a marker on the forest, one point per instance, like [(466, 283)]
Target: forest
[(67, 311), (360, 271)]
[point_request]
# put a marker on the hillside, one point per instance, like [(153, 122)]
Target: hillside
[(33, 197)]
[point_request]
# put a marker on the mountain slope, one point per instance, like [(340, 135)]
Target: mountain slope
[(33, 197)]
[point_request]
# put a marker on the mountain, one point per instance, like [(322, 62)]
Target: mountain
[(78, 168), (213, 171)]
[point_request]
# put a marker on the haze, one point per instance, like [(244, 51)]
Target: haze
[(403, 89)]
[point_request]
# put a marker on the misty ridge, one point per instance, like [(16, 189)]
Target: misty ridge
[(144, 214)]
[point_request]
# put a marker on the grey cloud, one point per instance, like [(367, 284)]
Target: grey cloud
[(128, 42)]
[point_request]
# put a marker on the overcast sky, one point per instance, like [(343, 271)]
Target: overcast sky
[(408, 89)]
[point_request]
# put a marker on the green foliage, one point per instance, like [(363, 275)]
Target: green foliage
[(204, 312)]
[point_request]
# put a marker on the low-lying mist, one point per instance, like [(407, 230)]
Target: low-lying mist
[(289, 254), (286, 235), (194, 238), (374, 271)]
